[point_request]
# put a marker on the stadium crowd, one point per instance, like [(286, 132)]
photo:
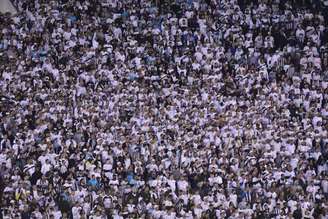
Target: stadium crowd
[(164, 109)]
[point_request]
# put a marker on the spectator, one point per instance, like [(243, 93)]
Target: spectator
[(164, 109)]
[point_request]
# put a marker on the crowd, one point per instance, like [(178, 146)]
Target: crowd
[(164, 109)]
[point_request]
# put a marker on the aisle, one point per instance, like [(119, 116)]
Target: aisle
[(6, 6)]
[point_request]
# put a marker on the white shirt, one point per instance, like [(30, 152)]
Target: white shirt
[(45, 168), (182, 185)]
